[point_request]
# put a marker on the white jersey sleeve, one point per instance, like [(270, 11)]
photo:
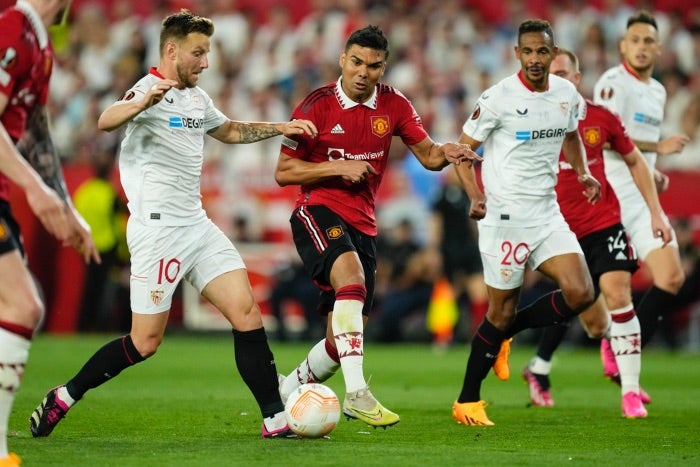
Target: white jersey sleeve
[(522, 132), (161, 155), (640, 105)]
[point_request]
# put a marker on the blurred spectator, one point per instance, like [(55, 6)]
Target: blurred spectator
[(403, 203), (689, 159), (454, 239), (613, 19), (91, 31), (405, 281), (670, 327), (97, 201), (677, 98), (291, 285)]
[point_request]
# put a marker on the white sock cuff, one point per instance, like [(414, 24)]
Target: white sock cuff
[(540, 366), (624, 309), (13, 348)]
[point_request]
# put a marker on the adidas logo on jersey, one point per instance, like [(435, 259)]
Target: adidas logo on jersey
[(337, 130)]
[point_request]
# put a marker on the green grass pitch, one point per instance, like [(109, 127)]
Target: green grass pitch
[(187, 406)]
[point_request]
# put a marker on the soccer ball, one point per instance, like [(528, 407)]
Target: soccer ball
[(312, 410)]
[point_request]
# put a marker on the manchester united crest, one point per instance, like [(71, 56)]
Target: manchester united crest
[(334, 232), (380, 125), (591, 136)]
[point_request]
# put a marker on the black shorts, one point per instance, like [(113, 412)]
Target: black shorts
[(609, 250), (321, 236), (10, 237)]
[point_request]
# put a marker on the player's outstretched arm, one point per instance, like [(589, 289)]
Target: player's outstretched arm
[(235, 132), (667, 146), (436, 156), (122, 112)]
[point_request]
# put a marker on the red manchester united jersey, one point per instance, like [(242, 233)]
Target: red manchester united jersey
[(597, 127), (348, 130), (26, 59)]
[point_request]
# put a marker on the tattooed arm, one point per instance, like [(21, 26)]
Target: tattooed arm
[(38, 148), (43, 201), (249, 132)]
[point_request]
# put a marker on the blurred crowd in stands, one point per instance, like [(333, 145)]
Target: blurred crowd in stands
[(444, 53)]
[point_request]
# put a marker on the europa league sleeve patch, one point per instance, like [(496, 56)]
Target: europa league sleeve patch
[(290, 143), (476, 112), (606, 93)]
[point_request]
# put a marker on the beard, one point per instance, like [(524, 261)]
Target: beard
[(183, 78)]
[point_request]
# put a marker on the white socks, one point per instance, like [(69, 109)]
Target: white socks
[(626, 344), (349, 340), (14, 351), (317, 367), (540, 366)]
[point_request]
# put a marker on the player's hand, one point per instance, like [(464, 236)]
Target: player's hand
[(81, 237), (50, 209), (592, 191), (477, 208), (298, 127), (355, 171), (661, 227), (661, 180), (672, 145), (156, 93), (456, 153)]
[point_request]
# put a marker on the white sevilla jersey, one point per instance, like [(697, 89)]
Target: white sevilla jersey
[(161, 155), (522, 131), (640, 105)]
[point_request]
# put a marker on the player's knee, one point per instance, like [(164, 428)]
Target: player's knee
[(502, 318), (27, 308), (673, 282), (596, 329), (617, 299), (579, 296), (595, 321), (147, 347)]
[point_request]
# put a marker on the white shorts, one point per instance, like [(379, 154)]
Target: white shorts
[(506, 251), (162, 256), (637, 221)]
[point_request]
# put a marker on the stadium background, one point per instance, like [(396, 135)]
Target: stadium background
[(59, 270)]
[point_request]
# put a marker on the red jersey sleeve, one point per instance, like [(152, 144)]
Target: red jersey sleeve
[(14, 59), (618, 138), (410, 128)]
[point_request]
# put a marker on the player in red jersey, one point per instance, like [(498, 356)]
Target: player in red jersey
[(26, 59), (606, 246), (334, 223)]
